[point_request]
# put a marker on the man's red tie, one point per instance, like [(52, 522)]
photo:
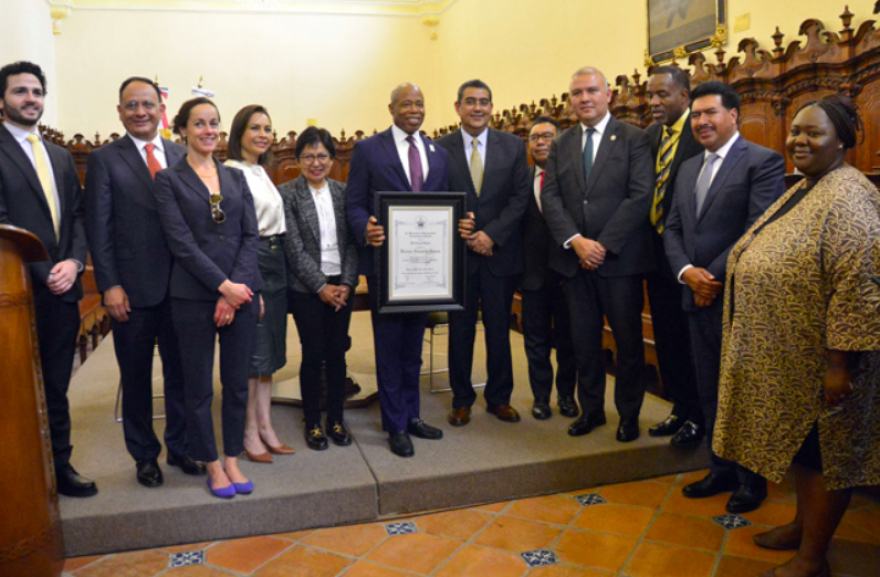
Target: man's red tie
[(152, 161)]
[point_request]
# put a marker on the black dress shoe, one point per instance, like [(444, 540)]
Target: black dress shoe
[(400, 443), (315, 437), (710, 485), (628, 429), (148, 473), (338, 433), (73, 484), (568, 407), (747, 498), (668, 426), (188, 465), (586, 423), (421, 429), (689, 435), (541, 409)]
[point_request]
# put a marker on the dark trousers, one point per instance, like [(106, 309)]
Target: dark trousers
[(706, 328), (494, 295), (57, 330), (196, 331), (135, 343), (397, 338), (591, 297), (323, 334), (671, 337), (546, 324)]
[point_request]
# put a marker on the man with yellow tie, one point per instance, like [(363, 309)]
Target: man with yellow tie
[(40, 192), (672, 142)]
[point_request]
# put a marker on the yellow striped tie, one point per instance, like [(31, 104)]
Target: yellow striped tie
[(476, 166), (45, 176), (664, 164)]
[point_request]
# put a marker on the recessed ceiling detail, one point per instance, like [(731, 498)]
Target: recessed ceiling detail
[(389, 7)]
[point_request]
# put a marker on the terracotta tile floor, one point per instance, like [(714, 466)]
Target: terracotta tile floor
[(638, 529)]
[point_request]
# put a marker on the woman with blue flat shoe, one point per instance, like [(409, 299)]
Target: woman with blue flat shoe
[(207, 212)]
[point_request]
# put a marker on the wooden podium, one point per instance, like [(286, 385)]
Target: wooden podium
[(31, 541)]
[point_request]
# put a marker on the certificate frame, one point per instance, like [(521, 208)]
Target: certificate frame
[(421, 264), (677, 28)]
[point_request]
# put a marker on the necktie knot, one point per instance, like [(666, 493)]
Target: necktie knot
[(152, 162), (33, 138), (410, 139), (669, 131), (150, 148)]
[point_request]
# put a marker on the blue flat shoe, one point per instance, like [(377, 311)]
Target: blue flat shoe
[(244, 488), (225, 492)]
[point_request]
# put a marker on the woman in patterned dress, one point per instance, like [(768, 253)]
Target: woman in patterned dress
[(800, 368)]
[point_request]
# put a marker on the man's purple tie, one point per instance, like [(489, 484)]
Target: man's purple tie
[(415, 165)]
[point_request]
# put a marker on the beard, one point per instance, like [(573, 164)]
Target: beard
[(15, 116)]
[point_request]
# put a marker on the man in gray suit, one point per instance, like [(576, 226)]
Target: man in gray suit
[(596, 196), (718, 196), (132, 270)]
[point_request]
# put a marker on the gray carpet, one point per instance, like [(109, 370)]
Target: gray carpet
[(488, 460)]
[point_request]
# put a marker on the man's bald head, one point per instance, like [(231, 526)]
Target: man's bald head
[(407, 107)]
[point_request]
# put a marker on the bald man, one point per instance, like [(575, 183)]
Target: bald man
[(398, 159)]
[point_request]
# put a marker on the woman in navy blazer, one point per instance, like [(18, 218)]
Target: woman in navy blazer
[(207, 212)]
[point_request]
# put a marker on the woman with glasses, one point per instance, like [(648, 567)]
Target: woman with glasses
[(322, 274), (207, 212), (250, 142)]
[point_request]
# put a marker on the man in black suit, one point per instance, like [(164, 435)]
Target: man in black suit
[(492, 167), (132, 269), (397, 159), (596, 197), (672, 142), (40, 192), (718, 196), (545, 319)]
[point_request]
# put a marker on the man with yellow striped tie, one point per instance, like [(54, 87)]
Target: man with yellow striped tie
[(672, 142), (40, 192)]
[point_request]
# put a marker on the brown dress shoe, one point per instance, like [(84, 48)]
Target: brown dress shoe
[(505, 413), (459, 417)]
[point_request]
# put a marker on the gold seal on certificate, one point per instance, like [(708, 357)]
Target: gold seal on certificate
[(421, 263)]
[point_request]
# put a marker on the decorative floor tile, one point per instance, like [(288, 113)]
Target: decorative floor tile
[(539, 557), (401, 528), (732, 521), (186, 558), (590, 499)]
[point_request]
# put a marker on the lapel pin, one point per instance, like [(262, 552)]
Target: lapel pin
[(613, 137), (431, 146)]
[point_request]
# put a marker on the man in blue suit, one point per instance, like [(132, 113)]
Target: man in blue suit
[(718, 195), (398, 159), (132, 270)]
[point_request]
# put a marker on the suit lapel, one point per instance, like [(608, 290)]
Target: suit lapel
[(734, 156), (58, 162), (391, 150), (192, 180), (457, 154), (609, 140), (172, 154), (10, 146), (129, 153), (689, 188), (309, 210), (339, 212), (576, 154), (684, 144)]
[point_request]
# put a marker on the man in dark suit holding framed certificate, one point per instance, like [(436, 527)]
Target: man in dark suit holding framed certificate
[(596, 198), (397, 159), (40, 192)]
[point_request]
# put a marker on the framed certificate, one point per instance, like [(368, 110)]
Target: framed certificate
[(420, 265)]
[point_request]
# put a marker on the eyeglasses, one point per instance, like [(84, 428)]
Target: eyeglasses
[(548, 136), (310, 158), (216, 211), (147, 105)]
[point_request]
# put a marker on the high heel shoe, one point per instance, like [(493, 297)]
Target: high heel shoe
[(281, 449), (259, 458)]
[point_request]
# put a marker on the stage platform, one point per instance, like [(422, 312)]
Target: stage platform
[(485, 461)]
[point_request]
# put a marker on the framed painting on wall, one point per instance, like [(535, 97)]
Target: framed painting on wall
[(678, 27)]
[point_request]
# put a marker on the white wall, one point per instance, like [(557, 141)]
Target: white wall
[(26, 34)]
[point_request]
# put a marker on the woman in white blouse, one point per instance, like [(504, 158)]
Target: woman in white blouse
[(322, 275), (250, 143)]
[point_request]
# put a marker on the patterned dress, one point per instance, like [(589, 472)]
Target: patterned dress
[(796, 288)]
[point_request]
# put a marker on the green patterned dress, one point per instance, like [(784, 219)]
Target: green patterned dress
[(796, 288)]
